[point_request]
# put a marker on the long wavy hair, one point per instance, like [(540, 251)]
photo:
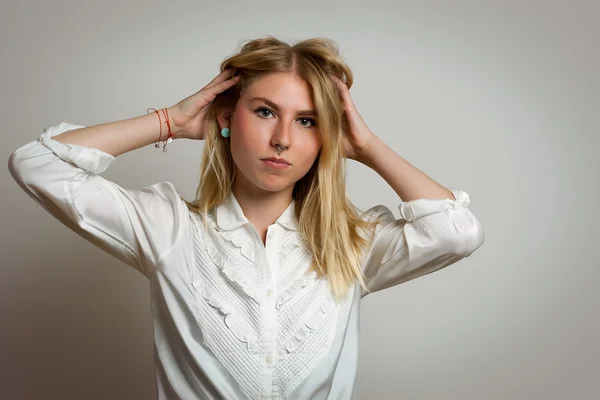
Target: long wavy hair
[(329, 224)]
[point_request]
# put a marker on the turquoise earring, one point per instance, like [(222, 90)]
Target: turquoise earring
[(225, 132)]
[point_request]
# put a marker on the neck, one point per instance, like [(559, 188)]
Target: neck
[(262, 208)]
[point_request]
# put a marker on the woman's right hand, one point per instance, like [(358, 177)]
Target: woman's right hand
[(189, 114)]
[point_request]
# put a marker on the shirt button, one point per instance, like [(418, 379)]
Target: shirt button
[(269, 359), (270, 235), (269, 293)]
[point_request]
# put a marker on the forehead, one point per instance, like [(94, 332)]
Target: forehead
[(288, 90)]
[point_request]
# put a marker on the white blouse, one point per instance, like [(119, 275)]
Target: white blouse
[(234, 318)]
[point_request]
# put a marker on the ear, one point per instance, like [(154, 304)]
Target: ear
[(224, 118)]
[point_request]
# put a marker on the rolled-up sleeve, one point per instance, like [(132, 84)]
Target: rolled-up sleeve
[(139, 227), (429, 235)]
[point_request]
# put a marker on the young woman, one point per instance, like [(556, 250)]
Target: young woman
[(256, 283)]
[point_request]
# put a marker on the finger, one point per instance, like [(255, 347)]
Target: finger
[(221, 87), (223, 76), (339, 82), (344, 93)]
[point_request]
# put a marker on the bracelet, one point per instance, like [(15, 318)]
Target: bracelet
[(157, 145), (160, 123), (170, 137)]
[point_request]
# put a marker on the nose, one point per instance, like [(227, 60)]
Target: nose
[(281, 135)]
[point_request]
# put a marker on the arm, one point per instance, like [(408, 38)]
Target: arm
[(186, 120), (435, 228), (430, 234), (60, 171), (407, 181), (116, 138)]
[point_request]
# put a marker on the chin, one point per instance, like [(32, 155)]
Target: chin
[(267, 182), (273, 185)]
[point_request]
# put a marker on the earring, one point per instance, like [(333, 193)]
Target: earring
[(225, 132)]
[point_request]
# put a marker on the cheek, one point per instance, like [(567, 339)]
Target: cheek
[(243, 138), (312, 148), (310, 151)]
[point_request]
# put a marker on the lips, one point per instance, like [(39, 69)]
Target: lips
[(281, 161), (275, 165)]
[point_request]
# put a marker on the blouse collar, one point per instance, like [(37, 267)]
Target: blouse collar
[(230, 215)]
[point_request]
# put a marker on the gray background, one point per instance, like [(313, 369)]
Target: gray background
[(497, 98)]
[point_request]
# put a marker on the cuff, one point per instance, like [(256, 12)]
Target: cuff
[(414, 209), (87, 158)]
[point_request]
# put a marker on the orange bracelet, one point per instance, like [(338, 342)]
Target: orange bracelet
[(170, 136)]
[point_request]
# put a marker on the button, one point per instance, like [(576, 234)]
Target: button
[(269, 359), (270, 235), (269, 293)]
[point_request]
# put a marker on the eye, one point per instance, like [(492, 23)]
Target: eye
[(303, 122), (262, 110)]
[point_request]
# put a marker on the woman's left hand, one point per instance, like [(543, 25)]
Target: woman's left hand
[(357, 135)]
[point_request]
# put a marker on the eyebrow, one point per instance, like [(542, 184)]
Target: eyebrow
[(275, 107)]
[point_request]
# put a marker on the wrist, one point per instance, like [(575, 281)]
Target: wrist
[(169, 123), (367, 152)]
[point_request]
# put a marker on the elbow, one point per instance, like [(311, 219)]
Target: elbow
[(15, 168), (25, 167), (468, 236)]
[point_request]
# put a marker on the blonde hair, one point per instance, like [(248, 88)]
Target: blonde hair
[(328, 222)]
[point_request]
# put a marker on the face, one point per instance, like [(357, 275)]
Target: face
[(275, 109)]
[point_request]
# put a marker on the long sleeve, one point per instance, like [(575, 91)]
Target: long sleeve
[(139, 227), (429, 235)]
